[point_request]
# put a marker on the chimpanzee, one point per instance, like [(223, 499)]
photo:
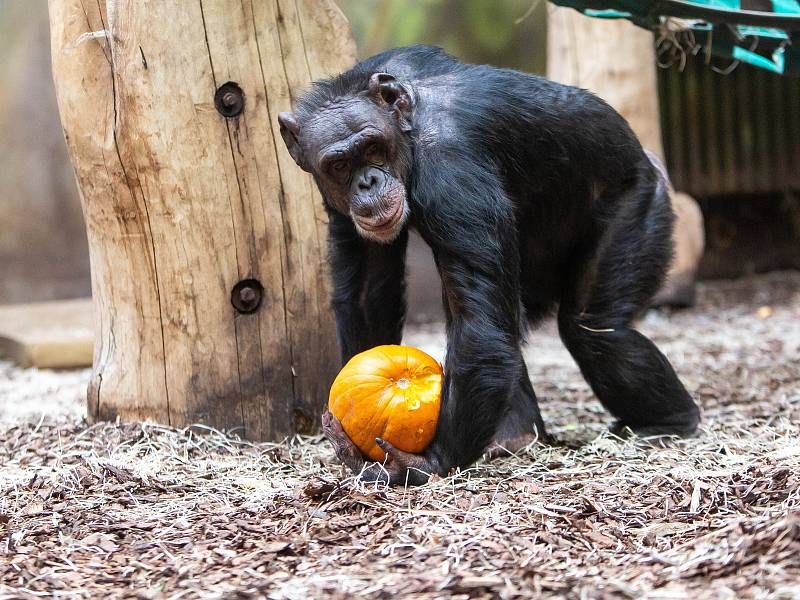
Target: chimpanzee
[(532, 195)]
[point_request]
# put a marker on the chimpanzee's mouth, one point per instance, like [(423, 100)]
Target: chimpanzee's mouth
[(385, 225)]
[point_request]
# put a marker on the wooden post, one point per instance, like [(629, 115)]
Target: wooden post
[(616, 60), (206, 242)]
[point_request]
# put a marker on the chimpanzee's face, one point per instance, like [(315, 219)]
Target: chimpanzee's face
[(353, 147)]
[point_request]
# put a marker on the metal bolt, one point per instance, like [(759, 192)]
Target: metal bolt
[(229, 99), (246, 296)]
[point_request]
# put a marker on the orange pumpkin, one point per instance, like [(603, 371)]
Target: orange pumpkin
[(390, 392)]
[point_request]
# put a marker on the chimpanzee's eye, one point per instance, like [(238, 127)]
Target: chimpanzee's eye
[(374, 154), (338, 166)]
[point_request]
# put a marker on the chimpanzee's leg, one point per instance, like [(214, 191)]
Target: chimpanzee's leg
[(629, 375)]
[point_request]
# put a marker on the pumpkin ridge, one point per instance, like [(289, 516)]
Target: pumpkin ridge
[(389, 358), (351, 388), (375, 421)]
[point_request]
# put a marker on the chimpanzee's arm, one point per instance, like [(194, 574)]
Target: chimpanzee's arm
[(385, 291), (368, 288), (471, 227)]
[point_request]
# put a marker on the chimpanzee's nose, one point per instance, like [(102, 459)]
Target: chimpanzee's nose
[(367, 181)]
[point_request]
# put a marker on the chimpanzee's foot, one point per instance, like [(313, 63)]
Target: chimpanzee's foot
[(682, 428), (521, 424)]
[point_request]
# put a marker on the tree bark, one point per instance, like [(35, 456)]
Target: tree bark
[(190, 212)]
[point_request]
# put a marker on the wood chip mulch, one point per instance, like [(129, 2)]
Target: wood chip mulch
[(141, 510)]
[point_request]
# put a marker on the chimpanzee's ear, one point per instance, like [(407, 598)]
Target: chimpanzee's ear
[(385, 90), (290, 131)]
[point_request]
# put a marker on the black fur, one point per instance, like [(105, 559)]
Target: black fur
[(533, 195)]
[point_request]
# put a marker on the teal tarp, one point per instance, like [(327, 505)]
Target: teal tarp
[(764, 33)]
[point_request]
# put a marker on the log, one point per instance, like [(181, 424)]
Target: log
[(616, 60), (206, 242)]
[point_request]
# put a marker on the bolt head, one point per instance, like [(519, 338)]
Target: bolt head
[(229, 100), (246, 296)]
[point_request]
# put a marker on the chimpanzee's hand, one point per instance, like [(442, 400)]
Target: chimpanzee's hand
[(399, 468), (346, 451)]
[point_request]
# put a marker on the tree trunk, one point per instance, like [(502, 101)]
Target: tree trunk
[(206, 241)]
